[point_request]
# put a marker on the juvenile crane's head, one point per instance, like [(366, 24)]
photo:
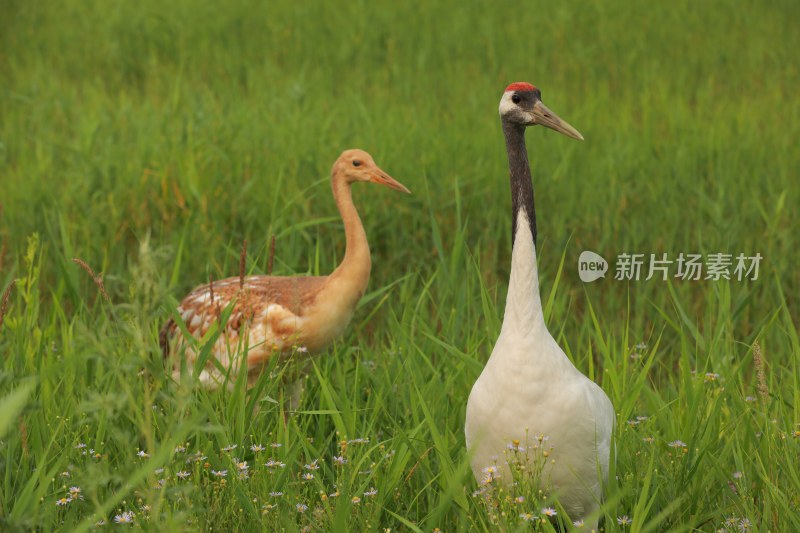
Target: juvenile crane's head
[(358, 165), (522, 105)]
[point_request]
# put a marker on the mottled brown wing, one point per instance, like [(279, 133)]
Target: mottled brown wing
[(259, 296)]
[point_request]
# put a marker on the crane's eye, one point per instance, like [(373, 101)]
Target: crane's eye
[(356, 163), (515, 98)]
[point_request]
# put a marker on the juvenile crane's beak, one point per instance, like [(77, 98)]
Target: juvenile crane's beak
[(547, 118), (379, 176)]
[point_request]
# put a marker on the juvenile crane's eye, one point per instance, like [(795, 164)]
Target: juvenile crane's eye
[(356, 163), (515, 98)]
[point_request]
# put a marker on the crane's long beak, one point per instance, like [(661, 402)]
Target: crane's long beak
[(547, 118), (379, 176)]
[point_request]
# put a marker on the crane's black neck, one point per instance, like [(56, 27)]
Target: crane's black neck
[(521, 185)]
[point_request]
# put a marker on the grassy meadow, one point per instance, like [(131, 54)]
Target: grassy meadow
[(150, 139)]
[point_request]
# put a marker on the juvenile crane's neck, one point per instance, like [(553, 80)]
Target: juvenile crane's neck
[(523, 304), (356, 265)]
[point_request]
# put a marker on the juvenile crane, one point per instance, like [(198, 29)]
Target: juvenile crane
[(274, 315), (529, 393)]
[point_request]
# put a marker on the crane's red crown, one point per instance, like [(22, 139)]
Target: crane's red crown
[(521, 86)]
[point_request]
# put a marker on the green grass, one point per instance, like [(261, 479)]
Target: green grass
[(151, 139)]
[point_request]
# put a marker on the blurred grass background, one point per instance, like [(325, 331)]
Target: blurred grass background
[(151, 139)]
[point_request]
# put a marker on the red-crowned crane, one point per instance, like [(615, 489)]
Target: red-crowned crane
[(274, 315), (530, 395)]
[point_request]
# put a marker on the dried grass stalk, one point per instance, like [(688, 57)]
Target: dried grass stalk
[(242, 261), (97, 278), (4, 301), (758, 360)]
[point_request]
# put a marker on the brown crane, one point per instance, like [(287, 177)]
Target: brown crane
[(277, 315)]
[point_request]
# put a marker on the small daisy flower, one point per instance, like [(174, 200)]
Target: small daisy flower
[(219, 473), (275, 494), (624, 520), (275, 445), (308, 476), (124, 518), (301, 507), (241, 466), (183, 474), (333, 494), (490, 473), (355, 499), (677, 444), (75, 492), (371, 492), (180, 449), (519, 499), (549, 511), (745, 525), (515, 446), (80, 446), (737, 475), (339, 460), (196, 457), (578, 523), (145, 508), (711, 376), (257, 448), (312, 466), (230, 448), (648, 440), (61, 502), (143, 454), (302, 349), (360, 440), (528, 517)]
